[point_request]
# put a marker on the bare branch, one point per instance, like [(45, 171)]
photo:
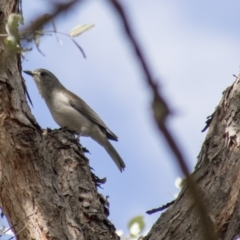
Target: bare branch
[(58, 9), (161, 112)]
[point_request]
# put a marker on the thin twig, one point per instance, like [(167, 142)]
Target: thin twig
[(79, 47), (163, 207), (14, 225)]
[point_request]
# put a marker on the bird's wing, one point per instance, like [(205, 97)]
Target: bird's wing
[(82, 107)]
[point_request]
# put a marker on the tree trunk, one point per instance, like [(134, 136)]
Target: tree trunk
[(217, 174), (47, 188)]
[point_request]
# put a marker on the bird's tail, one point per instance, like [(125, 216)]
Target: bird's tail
[(102, 140), (114, 155)]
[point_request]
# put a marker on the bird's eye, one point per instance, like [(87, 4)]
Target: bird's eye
[(42, 74)]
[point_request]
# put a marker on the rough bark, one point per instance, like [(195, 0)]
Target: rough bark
[(47, 188), (217, 174)]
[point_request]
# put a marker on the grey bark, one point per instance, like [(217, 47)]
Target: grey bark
[(47, 188)]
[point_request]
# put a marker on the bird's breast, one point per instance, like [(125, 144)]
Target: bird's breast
[(66, 116)]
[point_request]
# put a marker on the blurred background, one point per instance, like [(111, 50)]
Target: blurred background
[(192, 48)]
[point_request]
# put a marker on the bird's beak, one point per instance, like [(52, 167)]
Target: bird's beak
[(29, 73)]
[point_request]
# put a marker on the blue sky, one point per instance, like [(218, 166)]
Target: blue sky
[(192, 48)]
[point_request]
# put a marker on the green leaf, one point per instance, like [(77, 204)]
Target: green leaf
[(12, 25), (12, 43), (76, 31), (136, 225)]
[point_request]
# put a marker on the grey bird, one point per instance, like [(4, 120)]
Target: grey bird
[(71, 112)]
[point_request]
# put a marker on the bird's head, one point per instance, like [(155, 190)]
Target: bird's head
[(45, 81)]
